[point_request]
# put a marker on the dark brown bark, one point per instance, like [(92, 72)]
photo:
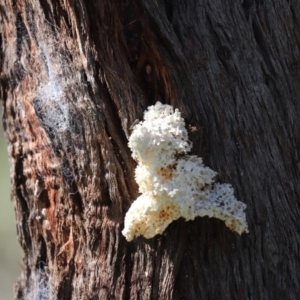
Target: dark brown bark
[(76, 74)]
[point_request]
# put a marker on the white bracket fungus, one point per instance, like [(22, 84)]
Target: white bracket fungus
[(172, 183)]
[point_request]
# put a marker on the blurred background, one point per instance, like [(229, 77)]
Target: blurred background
[(10, 250)]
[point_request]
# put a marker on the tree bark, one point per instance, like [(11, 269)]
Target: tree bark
[(75, 75)]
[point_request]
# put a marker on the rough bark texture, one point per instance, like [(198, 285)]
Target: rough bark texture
[(74, 77)]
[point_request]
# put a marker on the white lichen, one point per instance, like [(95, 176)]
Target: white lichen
[(172, 183)]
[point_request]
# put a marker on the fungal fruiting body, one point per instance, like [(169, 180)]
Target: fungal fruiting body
[(172, 183)]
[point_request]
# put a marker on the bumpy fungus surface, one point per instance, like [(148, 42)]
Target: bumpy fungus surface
[(172, 183)]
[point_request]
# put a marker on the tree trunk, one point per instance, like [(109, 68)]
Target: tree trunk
[(75, 75)]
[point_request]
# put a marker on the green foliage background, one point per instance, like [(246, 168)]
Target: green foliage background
[(10, 251)]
